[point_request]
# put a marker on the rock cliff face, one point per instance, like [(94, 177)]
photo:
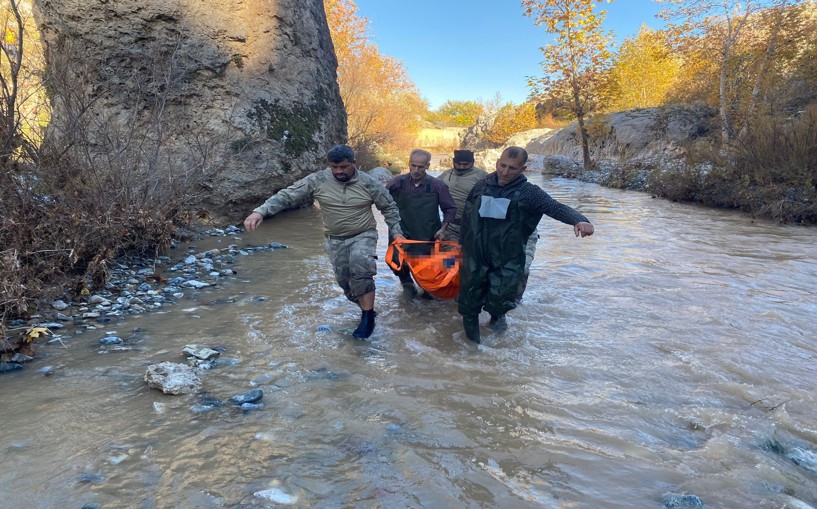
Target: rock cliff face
[(631, 135), (244, 93)]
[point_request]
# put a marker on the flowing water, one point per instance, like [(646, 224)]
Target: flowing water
[(671, 354)]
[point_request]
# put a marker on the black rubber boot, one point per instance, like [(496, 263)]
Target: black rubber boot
[(366, 327), (499, 323), (471, 326)]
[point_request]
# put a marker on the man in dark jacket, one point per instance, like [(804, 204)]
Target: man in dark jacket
[(500, 214), (420, 199)]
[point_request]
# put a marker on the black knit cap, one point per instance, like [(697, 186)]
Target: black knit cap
[(463, 156)]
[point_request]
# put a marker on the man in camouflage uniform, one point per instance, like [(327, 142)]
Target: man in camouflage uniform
[(346, 197)]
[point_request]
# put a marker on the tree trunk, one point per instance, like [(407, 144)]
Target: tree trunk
[(578, 109), (722, 106)]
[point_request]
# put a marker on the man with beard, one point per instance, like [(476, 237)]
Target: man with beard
[(460, 180), (346, 197), (500, 214)]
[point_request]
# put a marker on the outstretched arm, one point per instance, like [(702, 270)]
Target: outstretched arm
[(284, 199)]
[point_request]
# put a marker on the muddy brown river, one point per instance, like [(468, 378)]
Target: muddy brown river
[(668, 360)]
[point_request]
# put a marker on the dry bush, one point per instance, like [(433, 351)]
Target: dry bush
[(95, 188), (512, 119), (777, 158), (769, 171)]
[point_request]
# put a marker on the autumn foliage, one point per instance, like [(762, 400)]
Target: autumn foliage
[(575, 64), (383, 106)]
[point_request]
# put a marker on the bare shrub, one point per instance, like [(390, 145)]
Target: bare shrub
[(97, 186)]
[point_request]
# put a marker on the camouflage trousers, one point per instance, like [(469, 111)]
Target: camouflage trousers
[(354, 260)]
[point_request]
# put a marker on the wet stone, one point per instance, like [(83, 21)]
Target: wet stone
[(803, 458), (6, 367), (678, 501), (246, 407), (59, 305), (110, 340), (225, 361), (172, 378), (248, 397), (208, 400), (196, 284), (200, 352), (46, 370), (91, 478)]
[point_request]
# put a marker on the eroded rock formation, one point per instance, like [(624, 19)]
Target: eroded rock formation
[(242, 93)]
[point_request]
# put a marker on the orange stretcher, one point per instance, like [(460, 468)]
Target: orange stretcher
[(438, 273)]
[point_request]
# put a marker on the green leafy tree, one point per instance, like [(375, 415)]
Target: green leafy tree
[(575, 65), (457, 113)]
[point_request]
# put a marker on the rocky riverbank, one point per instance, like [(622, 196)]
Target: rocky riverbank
[(135, 286)]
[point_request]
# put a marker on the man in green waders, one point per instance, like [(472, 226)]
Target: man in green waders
[(460, 180), (500, 214), (420, 198)]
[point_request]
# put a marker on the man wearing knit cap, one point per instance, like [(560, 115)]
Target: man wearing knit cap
[(460, 180)]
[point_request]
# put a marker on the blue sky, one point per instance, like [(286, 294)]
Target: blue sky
[(472, 49)]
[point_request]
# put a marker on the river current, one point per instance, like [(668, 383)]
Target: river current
[(668, 359)]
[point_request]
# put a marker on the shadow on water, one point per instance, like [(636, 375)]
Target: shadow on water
[(669, 355)]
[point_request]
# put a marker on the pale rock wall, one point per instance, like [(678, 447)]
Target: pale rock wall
[(246, 90), (630, 135)]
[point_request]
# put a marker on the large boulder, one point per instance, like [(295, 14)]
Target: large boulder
[(241, 98), (474, 137), (173, 378), (640, 134)]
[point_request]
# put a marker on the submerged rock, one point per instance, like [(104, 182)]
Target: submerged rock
[(110, 340), (673, 501), (804, 458), (277, 496), (200, 352), (248, 397), (172, 378), (5, 367)]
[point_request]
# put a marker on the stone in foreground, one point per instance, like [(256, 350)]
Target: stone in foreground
[(172, 378)]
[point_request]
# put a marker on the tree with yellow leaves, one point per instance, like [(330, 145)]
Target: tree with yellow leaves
[(644, 71), (575, 64), (383, 106), (716, 30)]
